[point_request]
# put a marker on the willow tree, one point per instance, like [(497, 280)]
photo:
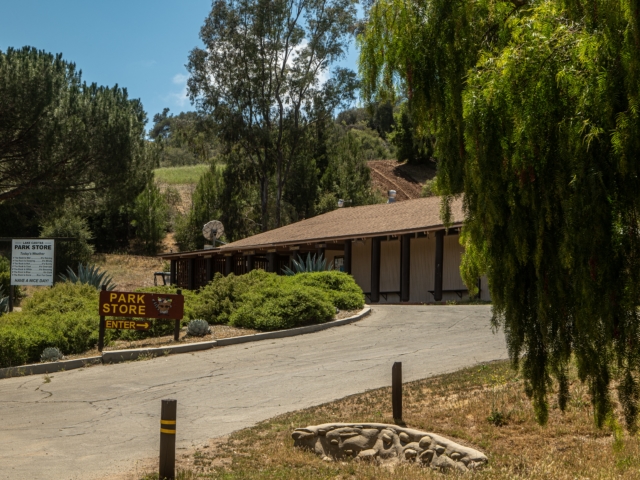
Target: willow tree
[(535, 107)]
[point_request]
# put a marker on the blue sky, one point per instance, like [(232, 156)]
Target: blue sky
[(139, 44)]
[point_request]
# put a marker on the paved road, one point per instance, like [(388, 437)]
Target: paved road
[(94, 422)]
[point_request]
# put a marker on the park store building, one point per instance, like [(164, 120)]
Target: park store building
[(397, 252)]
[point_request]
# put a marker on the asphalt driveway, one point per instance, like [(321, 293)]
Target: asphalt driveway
[(97, 421)]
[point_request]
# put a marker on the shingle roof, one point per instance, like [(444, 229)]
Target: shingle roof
[(421, 214)]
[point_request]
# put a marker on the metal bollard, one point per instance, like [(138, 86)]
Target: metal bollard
[(168, 440), (396, 391)]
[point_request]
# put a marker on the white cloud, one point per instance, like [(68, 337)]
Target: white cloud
[(180, 79), (178, 99)]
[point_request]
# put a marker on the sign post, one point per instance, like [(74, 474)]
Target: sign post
[(129, 305)]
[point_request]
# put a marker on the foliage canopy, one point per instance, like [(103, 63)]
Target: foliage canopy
[(535, 107)]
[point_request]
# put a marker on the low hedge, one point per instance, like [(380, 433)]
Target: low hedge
[(286, 305), (64, 316), (342, 289), (266, 301)]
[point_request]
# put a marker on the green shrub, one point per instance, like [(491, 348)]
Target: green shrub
[(5, 278), (342, 289), (64, 316), (285, 305), (219, 299)]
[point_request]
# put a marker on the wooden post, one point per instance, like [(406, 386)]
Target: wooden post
[(209, 269), (437, 295), (168, 417), (228, 265), (176, 328), (172, 277), (271, 262), (396, 391), (191, 273), (348, 246), (250, 262), (405, 267), (375, 269), (101, 328)]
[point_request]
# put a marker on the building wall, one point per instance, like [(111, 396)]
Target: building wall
[(390, 271), (422, 270), (361, 264)]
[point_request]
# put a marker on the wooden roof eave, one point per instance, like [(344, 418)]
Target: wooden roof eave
[(225, 250)]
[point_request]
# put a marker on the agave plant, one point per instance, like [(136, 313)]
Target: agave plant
[(89, 274), (312, 264), (4, 302), (51, 354), (198, 328)]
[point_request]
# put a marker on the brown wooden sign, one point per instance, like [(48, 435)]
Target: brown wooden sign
[(141, 305), (128, 324)]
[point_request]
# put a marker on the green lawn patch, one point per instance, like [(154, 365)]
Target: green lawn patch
[(189, 174)]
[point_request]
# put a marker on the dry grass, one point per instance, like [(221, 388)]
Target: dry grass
[(456, 405), (130, 271)]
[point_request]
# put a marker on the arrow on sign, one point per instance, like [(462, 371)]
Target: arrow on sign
[(128, 324)]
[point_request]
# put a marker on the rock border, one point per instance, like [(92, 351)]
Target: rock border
[(117, 356)]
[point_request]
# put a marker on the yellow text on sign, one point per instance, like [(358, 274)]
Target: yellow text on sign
[(121, 324), (124, 304)]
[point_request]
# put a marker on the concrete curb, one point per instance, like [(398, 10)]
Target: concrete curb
[(51, 367), (116, 356), (292, 332)]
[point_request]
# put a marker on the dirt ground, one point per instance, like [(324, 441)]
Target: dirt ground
[(407, 180), (130, 272)]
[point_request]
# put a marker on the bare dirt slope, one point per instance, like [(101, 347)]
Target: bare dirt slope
[(407, 180)]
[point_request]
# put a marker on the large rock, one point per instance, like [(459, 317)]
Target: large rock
[(379, 442)]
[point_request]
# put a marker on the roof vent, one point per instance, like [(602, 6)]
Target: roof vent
[(391, 196)]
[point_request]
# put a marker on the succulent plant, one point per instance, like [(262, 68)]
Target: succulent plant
[(51, 354), (312, 264), (198, 328), (89, 274)]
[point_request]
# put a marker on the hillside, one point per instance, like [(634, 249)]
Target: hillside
[(407, 180)]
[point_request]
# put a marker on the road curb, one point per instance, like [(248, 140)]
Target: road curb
[(292, 332), (117, 356), (51, 367)]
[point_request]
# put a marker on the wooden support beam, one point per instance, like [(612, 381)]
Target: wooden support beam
[(191, 273), (272, 258), (228, 265), (172, 276), (437, 295), (375, 269), (209, 267), (405, 267), (250, 262), (348, 246)]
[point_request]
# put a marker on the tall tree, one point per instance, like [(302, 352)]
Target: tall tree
[(60, 137), (535, 106), (259, 77)]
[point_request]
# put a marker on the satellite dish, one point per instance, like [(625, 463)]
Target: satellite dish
[(213, 230)]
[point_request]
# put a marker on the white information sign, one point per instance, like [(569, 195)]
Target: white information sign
[(32, 262)]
